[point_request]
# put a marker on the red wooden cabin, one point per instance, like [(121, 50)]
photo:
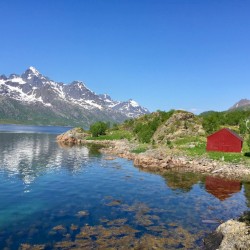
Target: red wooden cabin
[(224, 140)]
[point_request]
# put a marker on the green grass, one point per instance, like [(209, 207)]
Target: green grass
[(196, 146), (228, 157), (140, 149), (193, 146), (113, 135)]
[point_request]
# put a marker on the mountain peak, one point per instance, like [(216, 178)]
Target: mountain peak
[(30, 73), (243, 103), (72, 102), (34, 70)]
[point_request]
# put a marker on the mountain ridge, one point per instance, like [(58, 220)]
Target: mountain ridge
[(73, 103)]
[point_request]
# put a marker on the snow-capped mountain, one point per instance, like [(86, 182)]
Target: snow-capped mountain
[(67, 102)]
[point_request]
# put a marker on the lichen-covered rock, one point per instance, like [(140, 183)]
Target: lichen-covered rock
[(180, 124), (72, 136), (235, 235)]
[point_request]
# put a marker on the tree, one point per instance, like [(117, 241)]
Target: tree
[(98, 128)]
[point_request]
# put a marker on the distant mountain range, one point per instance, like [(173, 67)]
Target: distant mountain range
[(33, 98)]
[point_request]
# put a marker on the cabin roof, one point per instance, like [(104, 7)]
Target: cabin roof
[(230, 131)]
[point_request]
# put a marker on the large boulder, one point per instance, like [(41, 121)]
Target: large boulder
[(180, 124), (72, 136), (235, 235)]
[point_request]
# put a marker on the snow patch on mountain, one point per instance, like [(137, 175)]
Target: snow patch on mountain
[(34, 71), (92, 103), (17, 80), (134, 103)]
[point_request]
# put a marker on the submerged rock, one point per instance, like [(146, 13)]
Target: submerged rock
[(82, 213)]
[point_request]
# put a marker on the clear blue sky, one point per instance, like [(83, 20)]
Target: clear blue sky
[(187, 54)]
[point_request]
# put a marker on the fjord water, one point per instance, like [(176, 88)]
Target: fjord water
[(68, 197)]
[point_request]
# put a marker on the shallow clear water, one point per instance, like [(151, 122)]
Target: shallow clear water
[(66, 198)]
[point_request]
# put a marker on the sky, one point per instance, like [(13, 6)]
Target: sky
[(165, 54)]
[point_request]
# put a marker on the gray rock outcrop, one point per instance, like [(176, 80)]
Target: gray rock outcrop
[(180, 124)]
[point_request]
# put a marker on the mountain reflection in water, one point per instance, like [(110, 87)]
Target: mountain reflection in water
[(29, 155)]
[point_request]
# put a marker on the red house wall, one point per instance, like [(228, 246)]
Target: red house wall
[(224, 141)]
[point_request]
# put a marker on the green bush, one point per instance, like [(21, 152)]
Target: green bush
[(115, 126), (113, 135), (248, 142), (145, 134), (145, 127), (210, 123), (98, 128), (169, 144)]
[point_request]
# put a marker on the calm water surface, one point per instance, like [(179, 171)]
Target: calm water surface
[(68, 198)]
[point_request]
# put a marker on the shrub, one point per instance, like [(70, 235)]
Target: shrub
[(248, 141), (115, 126), (210, 124), (169, 144), (98, 128), (145, 135)]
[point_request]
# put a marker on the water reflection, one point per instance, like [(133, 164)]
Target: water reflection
[(247, 192), (93, 149), (84, 201), (29, 155), (222, 188), (182, 181), (32, 129)]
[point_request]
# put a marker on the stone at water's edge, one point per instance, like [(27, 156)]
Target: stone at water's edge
[(213, 241), (72, 136), (235, 235), (230, 235)]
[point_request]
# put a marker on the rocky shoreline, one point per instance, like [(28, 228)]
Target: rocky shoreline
[(231, 234), (161, 158)]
